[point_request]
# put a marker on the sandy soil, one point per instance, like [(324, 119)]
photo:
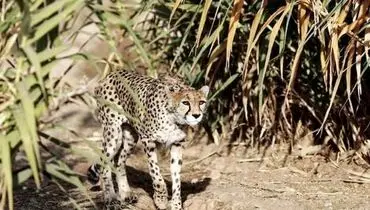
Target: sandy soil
[(214, 177)]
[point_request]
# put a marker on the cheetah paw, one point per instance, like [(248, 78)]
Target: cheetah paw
[(129, 197), (175, 205), (160, 201), (112, 205), (109, 198)]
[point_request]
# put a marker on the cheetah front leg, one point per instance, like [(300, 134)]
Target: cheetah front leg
[(160, 189), (176, 163)]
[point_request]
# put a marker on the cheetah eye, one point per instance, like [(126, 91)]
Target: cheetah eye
[(186, 103), (201, 102)]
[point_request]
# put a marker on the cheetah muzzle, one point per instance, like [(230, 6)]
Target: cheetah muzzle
[(152, 110)]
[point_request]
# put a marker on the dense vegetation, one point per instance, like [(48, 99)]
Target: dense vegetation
[(273, 68)]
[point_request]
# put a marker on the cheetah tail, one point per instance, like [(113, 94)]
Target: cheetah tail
[(93, 173)]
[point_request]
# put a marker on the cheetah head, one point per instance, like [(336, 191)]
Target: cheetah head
[(189, 105)]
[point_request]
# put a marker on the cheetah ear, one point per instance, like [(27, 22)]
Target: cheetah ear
[(170, 89), (205, 90), (173, 89)]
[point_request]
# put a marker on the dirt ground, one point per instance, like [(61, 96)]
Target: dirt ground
[(214, 176)]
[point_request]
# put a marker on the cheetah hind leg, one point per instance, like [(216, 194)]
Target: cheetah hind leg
[(112, 134), (130, 138)]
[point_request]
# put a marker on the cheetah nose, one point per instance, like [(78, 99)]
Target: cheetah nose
[(196, 116)]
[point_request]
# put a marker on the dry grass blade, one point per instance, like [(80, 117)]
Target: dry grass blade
[(252, 34), (353, 27), (183, 41), (253, 44), (358, 177), (335, 50), (364, 9), (362, 175), (5, 50), (234, 20), (203, 19), (3, 195), (304, 18), (27, 144), (272, 38), (344, 12), (62, 172), (213, 38), (348, 50), (208, 42), (224, 86), (23, 175), (358, 73), (367, 43), (258, 159), (351, 53), (29, 111), (6, 169), (48, 24), (335, 89), (363, 12), (250, 45), (32, 57), (337, 20), (175, 6), (47, 11), (215, 56), (298, 171)]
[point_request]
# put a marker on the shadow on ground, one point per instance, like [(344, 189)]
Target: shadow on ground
[(142, 180), (52, 196)]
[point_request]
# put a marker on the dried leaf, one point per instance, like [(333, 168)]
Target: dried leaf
[(304, 18), (175, 6), (253, 44), (203, 18), (234, 21), (272, 38), (6, 169)]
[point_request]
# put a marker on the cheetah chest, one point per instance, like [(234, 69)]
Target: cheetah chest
[(161, 129), (170, 135)]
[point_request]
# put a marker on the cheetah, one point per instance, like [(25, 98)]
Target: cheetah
[(133, 107)]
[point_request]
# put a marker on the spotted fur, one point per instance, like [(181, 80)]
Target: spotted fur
[(132, 107)]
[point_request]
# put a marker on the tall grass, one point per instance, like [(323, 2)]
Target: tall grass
[(272, 66), (30, 41), (35, 36)]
